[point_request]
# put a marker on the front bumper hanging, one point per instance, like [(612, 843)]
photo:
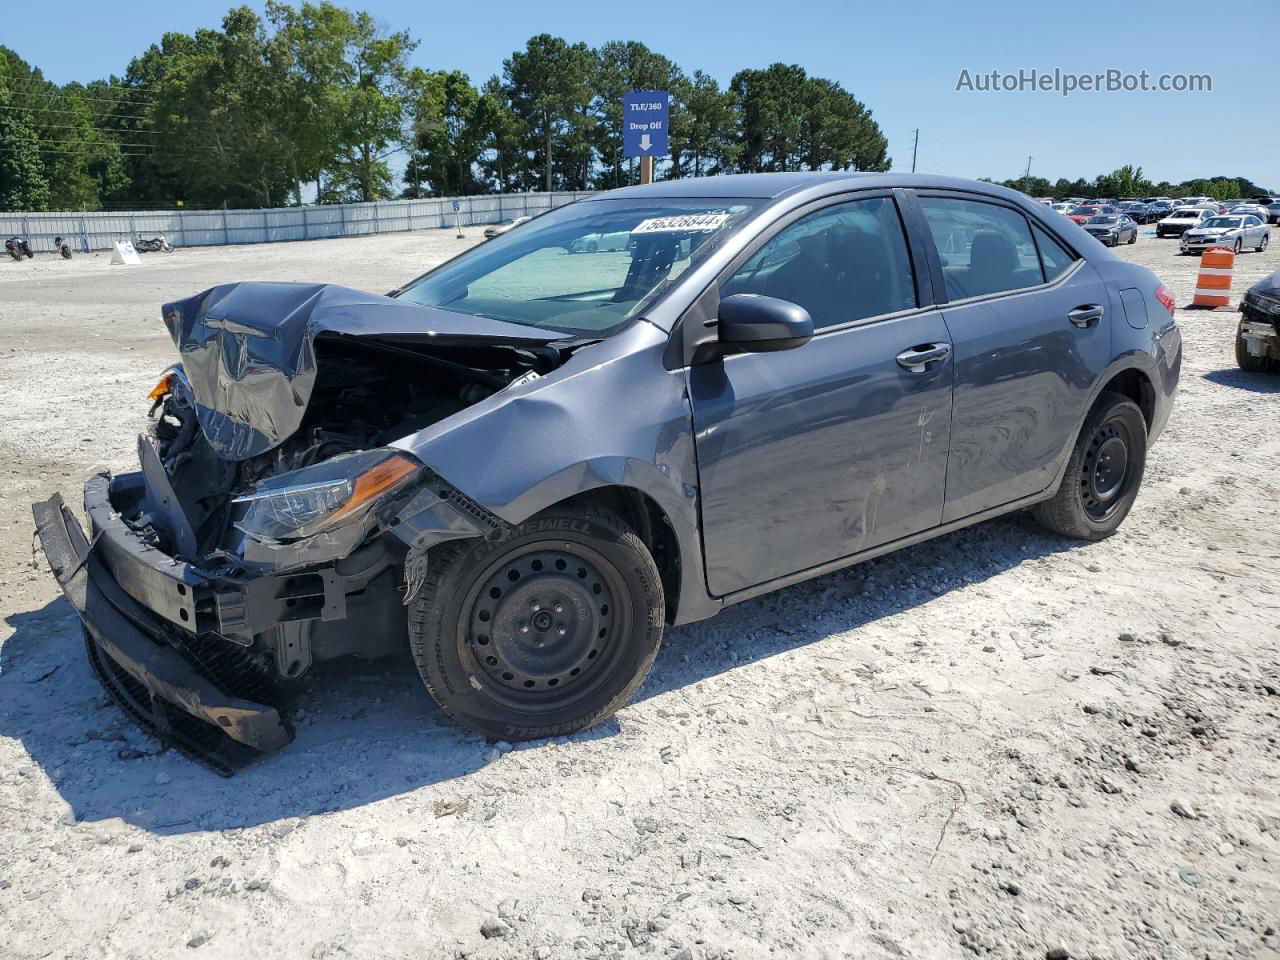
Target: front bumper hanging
[(196, 693)]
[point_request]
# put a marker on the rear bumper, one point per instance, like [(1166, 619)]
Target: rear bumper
[(169, 679)]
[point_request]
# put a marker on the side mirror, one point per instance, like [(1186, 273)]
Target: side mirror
[(752, 323)]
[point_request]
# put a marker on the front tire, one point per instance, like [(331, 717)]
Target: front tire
[(1103, 475), (1238, 246), (545, 633), (1247, 362)]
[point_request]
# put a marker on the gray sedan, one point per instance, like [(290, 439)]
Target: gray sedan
[(1233, 232), (1112, 229), (525, 465)]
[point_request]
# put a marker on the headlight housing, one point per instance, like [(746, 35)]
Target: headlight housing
[(305, 502)]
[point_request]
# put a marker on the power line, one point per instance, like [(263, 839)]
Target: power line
[(53, 94), (92, 143), (139, 87), (94, 116)]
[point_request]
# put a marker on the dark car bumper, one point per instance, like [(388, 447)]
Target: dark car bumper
[(198, 692)]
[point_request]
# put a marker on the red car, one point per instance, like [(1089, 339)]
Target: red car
[(1080, 214)]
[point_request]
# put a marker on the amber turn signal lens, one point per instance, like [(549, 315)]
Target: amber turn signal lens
[(165, 386), (376, 481)]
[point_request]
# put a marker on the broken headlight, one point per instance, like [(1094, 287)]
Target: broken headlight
[(305, 502)]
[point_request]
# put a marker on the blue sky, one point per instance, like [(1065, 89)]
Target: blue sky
[(902, 59)]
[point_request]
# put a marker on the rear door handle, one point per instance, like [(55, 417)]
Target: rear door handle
[(1087, 315), (917, 359)]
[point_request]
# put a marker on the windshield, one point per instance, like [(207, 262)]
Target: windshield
[(1105, 221), (586, 268), (1083, 211), (1224, 223)]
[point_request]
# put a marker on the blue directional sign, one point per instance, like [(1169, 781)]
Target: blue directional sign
[(644, 124)]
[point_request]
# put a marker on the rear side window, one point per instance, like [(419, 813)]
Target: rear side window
[(1054, 257), (984, 248), (841, 263)]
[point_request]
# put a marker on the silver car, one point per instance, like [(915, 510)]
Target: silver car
[(1234, 232), (497, 229)]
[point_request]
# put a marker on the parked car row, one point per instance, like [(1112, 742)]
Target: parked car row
[(1200, 222)]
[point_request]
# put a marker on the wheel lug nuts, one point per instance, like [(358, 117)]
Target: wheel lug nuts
[(559, 608), (562, 631), (536, 606), (524, 628)]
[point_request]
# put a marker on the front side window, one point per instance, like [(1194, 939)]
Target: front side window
[(842, 263), (984, 248), (585, 269)]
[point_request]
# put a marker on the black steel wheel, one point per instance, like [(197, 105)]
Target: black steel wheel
[(1103, 474), (547, 632), (1105, 469)]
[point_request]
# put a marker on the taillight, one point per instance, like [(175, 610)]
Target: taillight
[(1165, 296)]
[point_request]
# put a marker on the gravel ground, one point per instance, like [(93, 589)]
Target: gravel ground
[(998, 743)]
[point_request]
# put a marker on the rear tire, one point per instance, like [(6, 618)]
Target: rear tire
[(545, 633), (1103, 474), (1262, 244)]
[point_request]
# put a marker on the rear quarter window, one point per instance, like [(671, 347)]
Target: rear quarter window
[(1055, 258), (984, 248)]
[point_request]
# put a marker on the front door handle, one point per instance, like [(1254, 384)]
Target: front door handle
[(1087, 315), (918, 358)]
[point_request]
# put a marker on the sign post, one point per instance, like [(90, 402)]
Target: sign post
[(644, 128), (457, 222)]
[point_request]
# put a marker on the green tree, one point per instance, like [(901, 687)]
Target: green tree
[(369, 100), (22, 177), (502, 156), (548, 87), (447, 135), (704, 128), (771, 104)]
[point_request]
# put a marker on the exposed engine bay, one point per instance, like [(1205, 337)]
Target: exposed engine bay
[(368, 393)]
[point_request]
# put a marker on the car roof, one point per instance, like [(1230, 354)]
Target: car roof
[(770, 186)]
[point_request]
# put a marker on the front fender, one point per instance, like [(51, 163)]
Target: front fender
[(612, 416)]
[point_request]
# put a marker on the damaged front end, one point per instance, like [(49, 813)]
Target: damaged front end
[(269, 524)]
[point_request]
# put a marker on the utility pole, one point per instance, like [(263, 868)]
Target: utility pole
[(914, 146), (1027, 172)]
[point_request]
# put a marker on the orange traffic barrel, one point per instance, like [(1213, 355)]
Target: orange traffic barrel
[(1213, 285)]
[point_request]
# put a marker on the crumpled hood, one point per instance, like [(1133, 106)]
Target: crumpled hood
[(248, 350)]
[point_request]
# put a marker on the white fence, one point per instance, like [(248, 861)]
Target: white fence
[(204, 228)]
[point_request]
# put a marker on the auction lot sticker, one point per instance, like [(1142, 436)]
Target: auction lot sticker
[(683, 224)]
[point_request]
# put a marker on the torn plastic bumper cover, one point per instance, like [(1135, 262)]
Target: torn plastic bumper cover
[(170, 641), (138, 658)]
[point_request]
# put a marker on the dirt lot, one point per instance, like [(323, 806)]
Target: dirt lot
[(999, 743)]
